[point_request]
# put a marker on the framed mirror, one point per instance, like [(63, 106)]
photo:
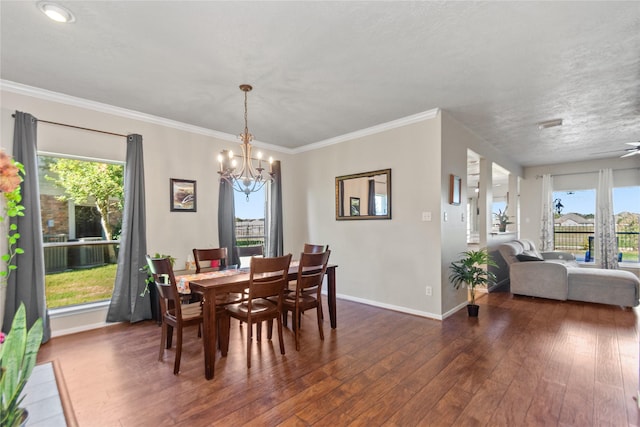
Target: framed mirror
[(364, 195)]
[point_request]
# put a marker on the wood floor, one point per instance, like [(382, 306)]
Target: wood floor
[(523, 362)]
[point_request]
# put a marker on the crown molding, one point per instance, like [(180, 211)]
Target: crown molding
[(383, 127), (61, 98)]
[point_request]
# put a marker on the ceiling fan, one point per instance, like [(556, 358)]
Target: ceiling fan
[(628, 152), (632, 151)]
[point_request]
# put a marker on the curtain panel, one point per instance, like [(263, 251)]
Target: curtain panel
[(226, 221), (127, 304), (371, 205), (546, 226), (606, 244), (26, 283), (274, 224)]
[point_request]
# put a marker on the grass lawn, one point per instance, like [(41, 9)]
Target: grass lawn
[(80, 286)]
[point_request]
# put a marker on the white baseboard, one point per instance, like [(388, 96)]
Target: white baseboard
[(392, 307)]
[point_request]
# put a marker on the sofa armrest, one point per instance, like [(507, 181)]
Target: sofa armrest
[(539, 279), (566, 256)]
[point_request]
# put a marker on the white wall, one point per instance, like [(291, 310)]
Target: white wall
[(384, 262)]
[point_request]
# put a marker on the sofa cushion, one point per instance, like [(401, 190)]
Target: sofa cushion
[(617, 287), (529, 256)]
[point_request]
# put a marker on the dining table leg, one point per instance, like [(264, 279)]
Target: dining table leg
[(331, 295), (209, 333)]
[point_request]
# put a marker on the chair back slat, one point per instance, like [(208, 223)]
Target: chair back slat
[(314, 249)]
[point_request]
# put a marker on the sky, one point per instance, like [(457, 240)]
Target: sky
[(252, 209), (625, 199)]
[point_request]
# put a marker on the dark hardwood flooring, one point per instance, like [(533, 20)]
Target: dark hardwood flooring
[(523, 362)]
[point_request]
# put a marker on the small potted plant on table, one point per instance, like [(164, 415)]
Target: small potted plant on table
[(472, 271)]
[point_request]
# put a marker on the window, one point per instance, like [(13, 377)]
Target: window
[(81, 203), (381, 204), (250, 218), (574, 222), (626, 207)]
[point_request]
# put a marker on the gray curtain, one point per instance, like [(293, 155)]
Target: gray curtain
[(126, 302), (273, 226), (371, 208), (226, 221), (26, 283)]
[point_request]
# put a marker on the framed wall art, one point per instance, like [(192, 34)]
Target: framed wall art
[(354, 202), (183, 197)]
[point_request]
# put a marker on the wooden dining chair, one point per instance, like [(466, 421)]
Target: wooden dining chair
[(267, 279), (309, 248), (249, 251), (174, 313), (204, 259), (307, 294)]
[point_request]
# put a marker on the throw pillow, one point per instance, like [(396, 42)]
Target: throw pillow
[(528, 256)]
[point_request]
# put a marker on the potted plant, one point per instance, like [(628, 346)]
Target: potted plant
[(472, 271), (149, 280), (503, 219), (17, 358)]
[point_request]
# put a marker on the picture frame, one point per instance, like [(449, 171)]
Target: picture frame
[(354, 206), (455, 189), (183, 197)]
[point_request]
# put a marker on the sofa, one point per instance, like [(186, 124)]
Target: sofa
[(557, 275)]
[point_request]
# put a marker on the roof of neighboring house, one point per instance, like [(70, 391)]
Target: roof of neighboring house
[(573, 219)]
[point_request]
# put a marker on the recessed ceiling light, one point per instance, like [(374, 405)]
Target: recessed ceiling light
[(56, 12), (549, 123)]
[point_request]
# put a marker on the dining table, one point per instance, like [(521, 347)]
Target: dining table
[(213, 283)]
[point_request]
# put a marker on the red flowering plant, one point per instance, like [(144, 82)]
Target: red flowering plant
[(11, 173)]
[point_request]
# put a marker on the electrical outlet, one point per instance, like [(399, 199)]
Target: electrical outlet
[(429, 291), (426, 216)]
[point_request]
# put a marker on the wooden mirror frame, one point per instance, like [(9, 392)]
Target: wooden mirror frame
[(359, 197)]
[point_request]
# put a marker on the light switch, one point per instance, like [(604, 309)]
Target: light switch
[(445, 217), (426, 216)]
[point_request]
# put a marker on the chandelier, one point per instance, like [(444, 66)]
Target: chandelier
[(247, 178)]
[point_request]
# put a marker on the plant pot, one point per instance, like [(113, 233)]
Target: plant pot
[(502, 228), (473, 309)]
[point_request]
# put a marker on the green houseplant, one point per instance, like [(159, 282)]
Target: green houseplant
[(503, 219), (17, 358), (472, 270), (11, 173)]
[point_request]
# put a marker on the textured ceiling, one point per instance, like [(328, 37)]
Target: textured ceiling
[(324, 69)]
